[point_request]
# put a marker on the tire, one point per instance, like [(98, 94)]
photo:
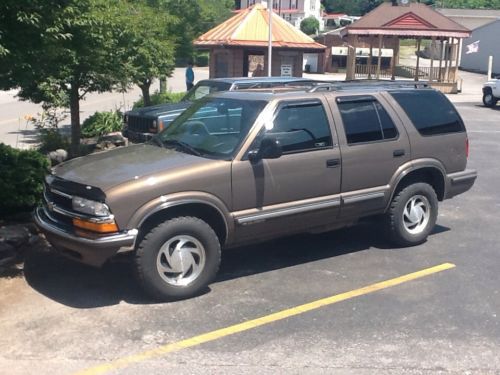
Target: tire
[(489, 100), (408, 223), (178, 259)]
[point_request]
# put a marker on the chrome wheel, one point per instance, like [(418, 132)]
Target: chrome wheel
[(181, 260), (416, 214)]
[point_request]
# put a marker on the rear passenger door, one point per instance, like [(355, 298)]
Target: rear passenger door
[(374, 145)]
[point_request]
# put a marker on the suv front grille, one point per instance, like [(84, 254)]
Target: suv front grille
[(139, 124), (62, 200)]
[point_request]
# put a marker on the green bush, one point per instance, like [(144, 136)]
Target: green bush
[(309, 25), (51, 140), (101, 123), (201, 59), (21, 184), (161, 98)]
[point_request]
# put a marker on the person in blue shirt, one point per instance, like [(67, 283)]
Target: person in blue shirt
[(189, 76)]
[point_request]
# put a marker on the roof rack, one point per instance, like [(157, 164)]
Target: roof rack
[(367, 84)]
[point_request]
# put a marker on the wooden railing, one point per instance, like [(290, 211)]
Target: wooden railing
[(362, 71)]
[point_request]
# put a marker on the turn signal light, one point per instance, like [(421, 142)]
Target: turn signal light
[(96, 227)]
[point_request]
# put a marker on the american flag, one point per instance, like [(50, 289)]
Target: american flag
[(473, 47)]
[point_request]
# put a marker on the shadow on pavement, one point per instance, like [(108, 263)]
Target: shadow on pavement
[(80, 286)]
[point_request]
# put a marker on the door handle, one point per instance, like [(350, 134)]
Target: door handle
[(398, 153), (332, 163)]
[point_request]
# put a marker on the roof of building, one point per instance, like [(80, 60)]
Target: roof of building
[(487, 13), (410, 20), (492, 23), (250, 28)]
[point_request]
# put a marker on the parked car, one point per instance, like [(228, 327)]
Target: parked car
[(142, 123), (247, 166), (491, 92)]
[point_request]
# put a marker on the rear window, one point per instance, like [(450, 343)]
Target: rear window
[(430, 111)]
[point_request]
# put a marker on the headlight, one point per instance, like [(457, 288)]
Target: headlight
[(89, 207)]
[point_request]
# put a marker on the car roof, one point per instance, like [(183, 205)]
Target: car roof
[(258, 79), (343, 88)]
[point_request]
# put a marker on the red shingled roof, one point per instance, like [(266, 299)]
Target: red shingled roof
[(414, 19), (250, 28)]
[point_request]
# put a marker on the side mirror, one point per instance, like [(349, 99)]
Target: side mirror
[(269, 148)]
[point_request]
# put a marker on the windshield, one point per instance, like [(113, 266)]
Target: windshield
[(212, 127), (203, 88)]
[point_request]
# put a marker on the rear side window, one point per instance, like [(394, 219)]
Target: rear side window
[(302, 127), (365, 120), (429, 111)]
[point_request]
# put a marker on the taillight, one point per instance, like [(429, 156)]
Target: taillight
[(467, 147)]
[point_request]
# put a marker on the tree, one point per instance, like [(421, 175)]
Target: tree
[(195, 17), (147, 45), (57, 51), (61, 50), (309, 25)]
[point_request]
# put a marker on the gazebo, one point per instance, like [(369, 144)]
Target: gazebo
[(238, 45), (382, 29)]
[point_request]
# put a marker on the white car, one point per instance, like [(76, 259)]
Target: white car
[(491, 92)]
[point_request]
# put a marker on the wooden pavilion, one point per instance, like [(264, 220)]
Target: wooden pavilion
[(383, 28), (238, 45)]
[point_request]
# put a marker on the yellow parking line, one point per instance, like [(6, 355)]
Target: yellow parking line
[(245, 326)]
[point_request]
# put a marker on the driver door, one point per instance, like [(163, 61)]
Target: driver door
[(300, 189)]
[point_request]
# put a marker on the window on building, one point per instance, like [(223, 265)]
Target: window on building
[(302, 126), (429, 111), (365, 120)]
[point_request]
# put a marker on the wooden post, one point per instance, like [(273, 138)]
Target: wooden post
[(457, 59), (441, 51), (370, 58), (395, 56), (351, 58), (447, 62), (418, 59), (433, 44), (379, 60)]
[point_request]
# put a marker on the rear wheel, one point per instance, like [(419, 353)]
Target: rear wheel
[(412, 214), (178, 258), (489, 100)]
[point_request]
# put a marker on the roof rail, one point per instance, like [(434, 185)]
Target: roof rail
[(367, 84)]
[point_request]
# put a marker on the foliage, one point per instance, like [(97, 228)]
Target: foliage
[(62, 50), (161, 98), (22, 174), (361, 7), (47, 124), (309, 25), (195, 17), (201, 59), (148, 44), (101, 123)]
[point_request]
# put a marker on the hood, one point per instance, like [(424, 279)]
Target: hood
[(159, 110), (111, 168)]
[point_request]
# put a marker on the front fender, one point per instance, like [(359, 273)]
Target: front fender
[(173, 200)]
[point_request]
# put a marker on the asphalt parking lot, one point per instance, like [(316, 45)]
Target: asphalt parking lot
[(64, 318)]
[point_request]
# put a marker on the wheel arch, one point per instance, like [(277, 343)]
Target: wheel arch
[(162, 209), (431, 173)]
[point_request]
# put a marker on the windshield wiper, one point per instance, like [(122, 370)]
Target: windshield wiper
[(183, 145)]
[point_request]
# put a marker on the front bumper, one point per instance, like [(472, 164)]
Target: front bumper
[(137, 137), (85, 247), (460, 182)]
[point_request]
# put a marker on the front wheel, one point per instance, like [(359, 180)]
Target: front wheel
[(412, 214), (489, 100), (178, 258)]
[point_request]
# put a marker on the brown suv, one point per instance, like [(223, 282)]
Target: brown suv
[(242, 167)]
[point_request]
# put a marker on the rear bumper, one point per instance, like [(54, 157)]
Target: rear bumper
[(460, 182), (88, 248)]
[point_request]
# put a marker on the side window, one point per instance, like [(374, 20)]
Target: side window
[(429, 111), (365, 120), (302, 127)]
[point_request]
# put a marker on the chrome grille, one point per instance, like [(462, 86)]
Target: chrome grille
[(139, 124)]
